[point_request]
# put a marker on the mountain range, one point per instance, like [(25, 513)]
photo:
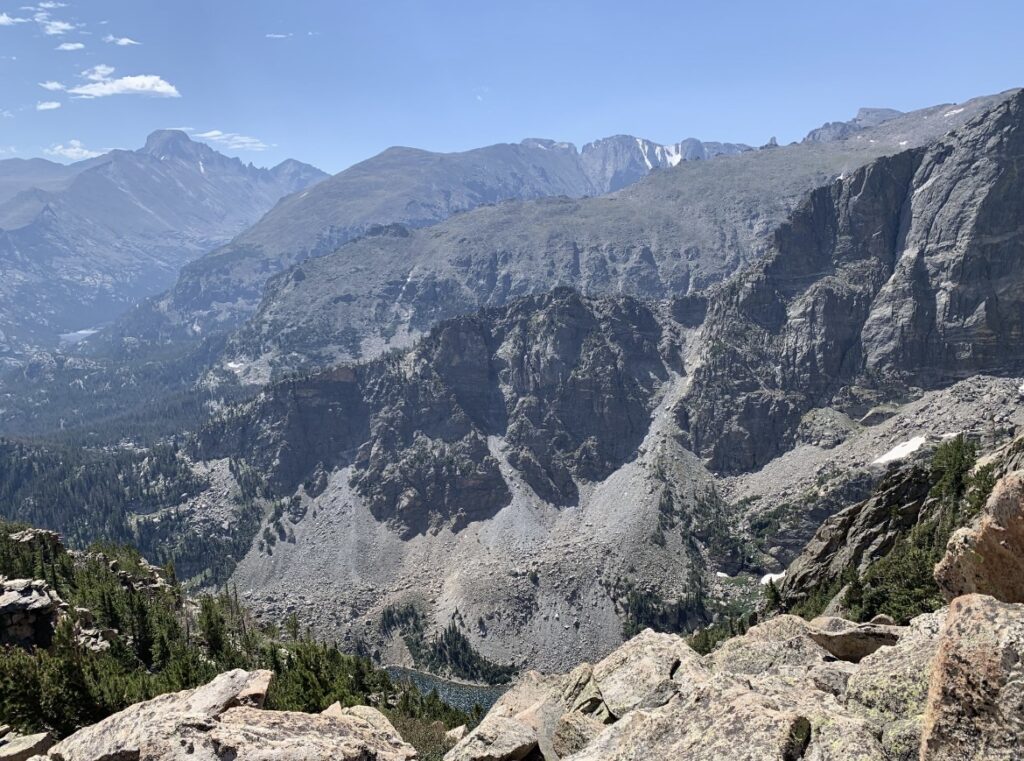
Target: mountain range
[(80, 244), (575, 417), (533, 465), (407, 186)]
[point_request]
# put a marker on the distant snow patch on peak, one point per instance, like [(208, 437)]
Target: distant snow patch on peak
[(768, 578), (954, 112), (901, 451)]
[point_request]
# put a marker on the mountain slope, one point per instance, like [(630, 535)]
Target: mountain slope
[(87, 241), (672, 233), (905, 274), (401, 185)]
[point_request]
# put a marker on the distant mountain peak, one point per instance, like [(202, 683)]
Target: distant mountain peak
[(865, 118), (168, 143)]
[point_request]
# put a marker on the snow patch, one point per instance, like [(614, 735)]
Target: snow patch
[(954, 112), (901, 450), (202, 169), (723, 575), (768, 578), (1020, 389)]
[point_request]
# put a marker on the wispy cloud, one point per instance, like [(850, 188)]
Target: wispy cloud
[(7, 150), (6, 20), (74, 151), (52, 86), (278, 36), (51, 4), (102, 85), (122, 41), (70, 46), (233, 140), (47, 105), (52, 26), (98, 73), (5, 114)]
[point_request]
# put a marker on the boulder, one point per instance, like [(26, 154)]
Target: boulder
[(455, 734), (717, 720), (779, 645), (988, 556), (222, 720), (574, 732), (368, 714), (22, 747), (497, 738), (643, 665), (975, 704), (848, 641), (890, 685)]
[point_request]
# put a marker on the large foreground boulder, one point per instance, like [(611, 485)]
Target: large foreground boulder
[(975, 706), (224, 720), (988, 556)]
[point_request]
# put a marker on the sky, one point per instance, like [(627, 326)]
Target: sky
[(334, 82)]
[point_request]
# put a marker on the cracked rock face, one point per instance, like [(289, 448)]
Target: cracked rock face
[(907, 272)]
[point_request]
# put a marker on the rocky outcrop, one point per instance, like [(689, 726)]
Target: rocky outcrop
[(858, 535), (224, 719), (29, 610), (905, 273), (568, 382), (15, 747), (773, 693), (975, 706), (988, 556)]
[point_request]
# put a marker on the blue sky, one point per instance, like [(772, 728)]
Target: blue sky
[(332, 83)]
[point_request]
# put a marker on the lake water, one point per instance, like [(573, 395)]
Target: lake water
[(456, 694)]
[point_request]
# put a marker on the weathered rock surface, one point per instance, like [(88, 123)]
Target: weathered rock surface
[(988, 557), (15, 747), (975, 706), (224, 719), (852, 642)]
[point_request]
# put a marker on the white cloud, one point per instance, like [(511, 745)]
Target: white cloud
[(52, 26), (70, 46), (142, 84), (47, 105), (278, 36), (99, 73), (233, 140), (122, 41), (51, 86), (6, 20), (5, 114), (74, 150), (50, 4), (7, 150)]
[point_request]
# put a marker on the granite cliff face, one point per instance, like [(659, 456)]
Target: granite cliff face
[(905, 273)]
